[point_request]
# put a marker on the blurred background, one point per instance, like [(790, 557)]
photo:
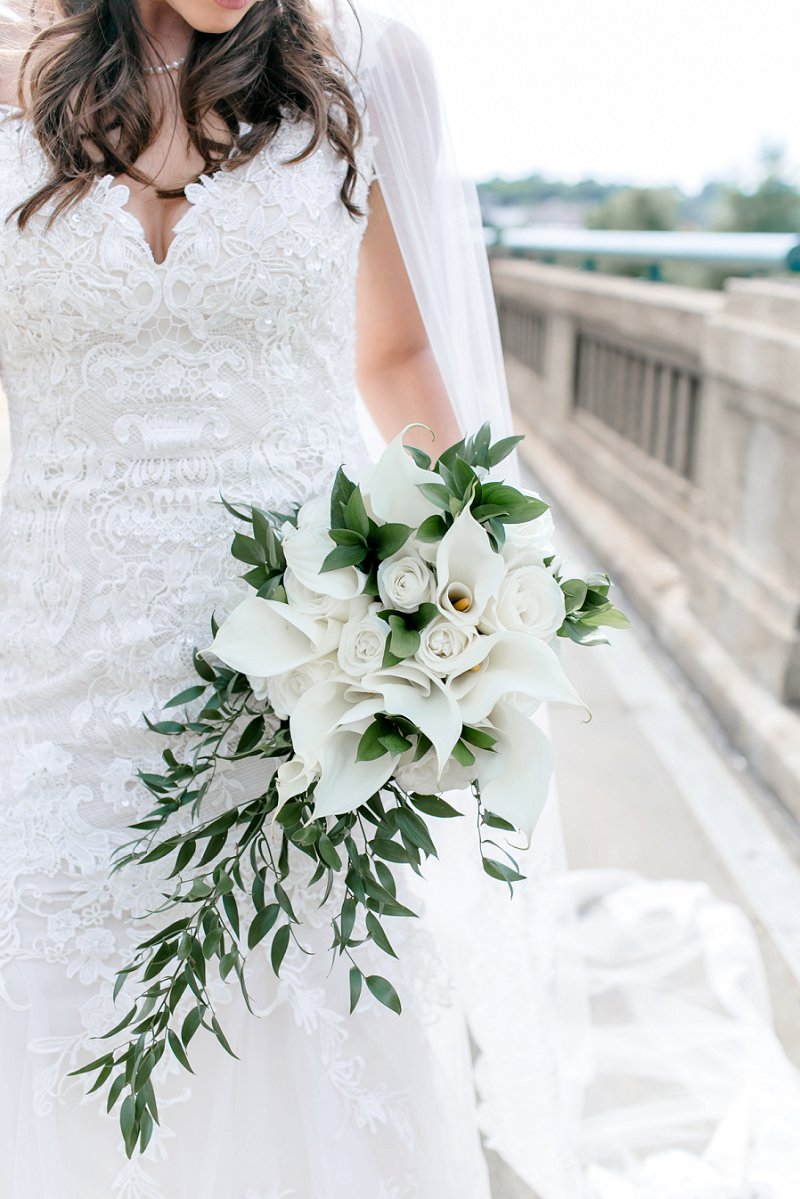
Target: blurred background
[(638, 166)]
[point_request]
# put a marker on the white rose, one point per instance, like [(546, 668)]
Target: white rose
[(293, 778), (313, 603), (306, 548), (422, 776), (362, 643), (529, 601), (444, 646), (405, 582), (530, 543), (285, 690)]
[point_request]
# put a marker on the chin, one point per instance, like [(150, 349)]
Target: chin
[(213, 16)]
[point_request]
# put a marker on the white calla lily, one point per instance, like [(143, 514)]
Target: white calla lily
[(390, 487), (262, 638), (468, 570), (345, 783), (408, 690), (504, 663), (517, 775), (293, 778), (325, 708)]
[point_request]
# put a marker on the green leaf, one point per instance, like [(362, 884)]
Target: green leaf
[(375, 929), (384, 992), (434, 805), (574, 594), (127, 1119), (251, 735), (478, 737), (329, 853), (370, 746), (185, 697), (463, 754), (608, 616), (386, 879), (262, 923), (499, 870), (388, 539), (422, 459), (501, 449), (433, 528), (492, 821), (280, 943), (202, 667), (390, 850), (232, 912), (437, 493), (581, 635), (114, 1091), (191, 1023), (404, 642), (356, 513), (347, 537), (395, 743), (343, 555), (356, 981), (220, 1035), (167, 728), (348, 919), (415, 828), (247, 549), (178, 1050)]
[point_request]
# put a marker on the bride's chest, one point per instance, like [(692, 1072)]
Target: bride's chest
[(264, 245)]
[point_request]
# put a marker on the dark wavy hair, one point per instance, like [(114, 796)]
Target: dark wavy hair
[(81, 83)]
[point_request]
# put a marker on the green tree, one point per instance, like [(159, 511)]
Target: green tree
[(649, 208), (773, 206)]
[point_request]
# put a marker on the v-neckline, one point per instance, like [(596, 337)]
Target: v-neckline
[(108, 183)]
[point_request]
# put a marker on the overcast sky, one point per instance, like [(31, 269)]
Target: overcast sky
[(648, 91)]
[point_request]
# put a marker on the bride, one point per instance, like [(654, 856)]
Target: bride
[(198, 266), (226, 223)]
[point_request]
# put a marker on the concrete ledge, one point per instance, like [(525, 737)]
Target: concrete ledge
[(765, 731)]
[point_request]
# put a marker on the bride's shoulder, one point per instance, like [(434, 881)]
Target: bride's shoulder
[(381, 48), (16, 36)]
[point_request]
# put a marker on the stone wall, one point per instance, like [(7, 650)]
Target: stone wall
[(666, 422)]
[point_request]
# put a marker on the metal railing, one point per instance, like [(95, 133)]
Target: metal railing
[(743, 252)]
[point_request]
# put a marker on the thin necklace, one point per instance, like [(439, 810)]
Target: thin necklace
[(167, 66)]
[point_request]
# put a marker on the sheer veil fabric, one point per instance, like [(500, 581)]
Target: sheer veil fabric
[(622, 1035), (625, 1047)]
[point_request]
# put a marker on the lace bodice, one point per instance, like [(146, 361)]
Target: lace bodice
[(138, 392)]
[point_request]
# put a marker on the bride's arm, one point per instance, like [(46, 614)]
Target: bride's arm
[(397, 375)]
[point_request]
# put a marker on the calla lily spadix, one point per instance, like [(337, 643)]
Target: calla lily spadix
[(468, 570)]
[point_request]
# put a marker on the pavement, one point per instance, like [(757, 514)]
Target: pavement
[(652, 785)]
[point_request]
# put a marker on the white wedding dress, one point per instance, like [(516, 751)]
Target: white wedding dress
[(139, 392)]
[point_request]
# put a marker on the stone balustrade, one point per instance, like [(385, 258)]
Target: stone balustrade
[(665, 422)]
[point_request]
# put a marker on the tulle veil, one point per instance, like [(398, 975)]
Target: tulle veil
[(625, 1048)]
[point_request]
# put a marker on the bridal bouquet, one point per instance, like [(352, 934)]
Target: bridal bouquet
[(399, 633)]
